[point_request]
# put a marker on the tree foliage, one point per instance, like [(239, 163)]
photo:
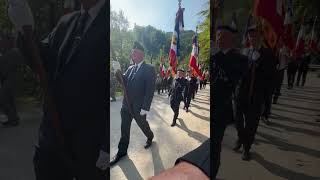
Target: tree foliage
[(155, 41)]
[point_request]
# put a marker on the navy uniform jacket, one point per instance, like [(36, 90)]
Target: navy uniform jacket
[(79, 88), (141, 88)]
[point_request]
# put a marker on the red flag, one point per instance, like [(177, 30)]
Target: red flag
[(272, 13), (288, 27), (162, 70), (313, 42)]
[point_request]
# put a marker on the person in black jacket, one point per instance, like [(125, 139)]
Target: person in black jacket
[(303, 69), (293, 65), (176, 94), (140, 86), (255, 91), (74, 58), (229, 68)]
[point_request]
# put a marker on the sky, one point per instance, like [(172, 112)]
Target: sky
[(160, 13)]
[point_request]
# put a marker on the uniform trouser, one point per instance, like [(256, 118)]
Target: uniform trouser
[(279, 80), (83, 149), (291, 76), (218, 129), (197, 87), (158, 88), (267, 101), (304, 76), (188, 100), (201, 85), (7, 99), (126, 119), (248, 120), (163, 88), (175, 108)]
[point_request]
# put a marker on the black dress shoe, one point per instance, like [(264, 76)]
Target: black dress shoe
[(187, 110), (245, 156), (148, 143), (237, 146), (10, 123), (173, 124), (117, 158)]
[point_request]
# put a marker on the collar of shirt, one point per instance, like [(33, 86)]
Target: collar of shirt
[(139, 65), (93, 12)]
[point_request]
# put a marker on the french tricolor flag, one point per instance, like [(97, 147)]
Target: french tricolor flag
[(313, 42), (193, 62), (175, 41), (299, 49)]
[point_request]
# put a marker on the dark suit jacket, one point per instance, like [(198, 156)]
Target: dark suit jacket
[(176, 93), (200, 157), (79, 88), (229, 70), (141, 88)]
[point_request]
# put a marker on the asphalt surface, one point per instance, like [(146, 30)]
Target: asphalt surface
[(170, 143)]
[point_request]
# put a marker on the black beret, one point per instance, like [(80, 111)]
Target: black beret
[(137, 45), (227, 28)]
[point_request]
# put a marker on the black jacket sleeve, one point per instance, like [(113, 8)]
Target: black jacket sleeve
[(200, 157), (149, 88)]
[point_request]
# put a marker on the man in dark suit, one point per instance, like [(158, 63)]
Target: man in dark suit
[(139, 80), (176, 94), (303, 69), (190, 91), (74, 57), (256, 91), (230, 66)]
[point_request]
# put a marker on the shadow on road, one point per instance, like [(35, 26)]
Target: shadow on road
[(292, 120), (199, 107), (197, 136), (273, 140), (280, 171), (157, 162), (200, 116), (129, 169), (296, 129), (298, 107), (295, 112)]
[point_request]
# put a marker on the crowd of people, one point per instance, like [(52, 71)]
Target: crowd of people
[(246, 82)]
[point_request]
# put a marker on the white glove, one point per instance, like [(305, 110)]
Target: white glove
[(20, 14), (103, 160), (143, 112)]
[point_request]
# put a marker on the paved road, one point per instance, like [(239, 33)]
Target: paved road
[(170, 142), (17, 144), (289, 148)]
